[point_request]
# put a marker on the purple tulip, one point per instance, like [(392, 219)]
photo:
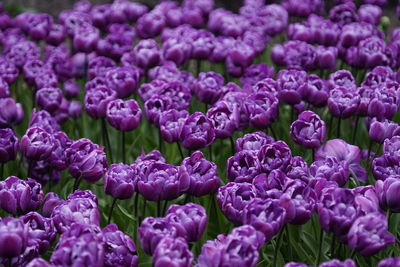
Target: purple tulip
[(343, 152), (152, 231), (86, 160), (150, 25), (44, 120), (99, 66), (331, 169), (119, 181), (294, 55), (8, 71), (49, 99), (381, 130), (8, 145), (197, 132), (160, 181), (41, 232), (124, 115), (123, 80), (276, 155), (256, 73), (171, 123), (386, 192), (342, 102), (190, 220), (155, 106), (240, 56), (370, 14), (308, 130), (337, 210), (225, 118), (243, 166), (262, 109), (74, 109), (38, 262), (391, 149), (208, 87), (386, 101), (146, 54), (75, 211), (337, 263), (233, 197), (360, 238), (96, 101), (298, 169), (172, 251), (50, 201), (315, 91), (11, 113), (342, 78), (270, 186), (253, 141), (19, 196), (13, 237), (289, 83), (119, 248), (202, 173), (80, 245), (71, 89), (266, 216), (389, 262)]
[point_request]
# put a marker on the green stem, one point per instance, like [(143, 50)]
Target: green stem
[(106, 138), (321, 240), (180, 150), (288, 241), (273, 133), (333, 245), (123, 147), (164, 208), (338, 128), (277, 247), (232, 145), (111, 210), (135, 206), (77, 183), (159, 141), (159, 208), (1, 171), (355, 130), (210, 152)]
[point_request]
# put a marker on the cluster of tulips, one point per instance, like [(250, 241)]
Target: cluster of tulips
[(190, 135)]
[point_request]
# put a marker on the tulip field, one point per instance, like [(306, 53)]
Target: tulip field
[(188, 135)]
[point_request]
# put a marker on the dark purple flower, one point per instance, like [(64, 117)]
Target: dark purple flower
[(155, 106), (172, 251), (19, 196), (8, 145), (388, 262), (342, 102), (297, 55), (190, 220), (387, 193), (49, 99), (270, 186), (99, 66), (391, 149), (370, 14), (11, 113), (150, 25), (146, 54), (276, 155), (86, 160), (233, 197), (326, 57), (177, 50), (381, 130), (44, 120), (120, 181), (123, 80), (331, 169), (240, 56), (256, 73), (41, 231), (386, 101), (303, 8), (160, 181), (38, 262), (96, 101), (71, 89), (50, 201), (85, 38), (308, 130), (289, 82), (243, 166), (197, 132), (8, 71), (262, 109), (124, 115), (119, 248), (344, 13), (342, 78), (13, 237), (369, 234), (314, 91), (225, 118), (298, 169), (152, 230), (253, 141), (37, 144), (266, 216), (73, 212), (74, 109), (171, 123), (208, 87), (338, 263)]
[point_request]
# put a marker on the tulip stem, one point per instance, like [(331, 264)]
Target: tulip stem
[(159, 208), (333, 244), (321, 240), (111, 210), (180, 150), (135, 205), (164, 208), (1, 171), (232, 145), (355, 130), (198, 67), (77, 183), (123, 146), (369, 151), (273, 133), (338, 127), (106, 138), (330, 127), (210, 152), (159, 141), (277, 247)]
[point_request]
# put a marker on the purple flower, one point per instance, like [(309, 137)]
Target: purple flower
[(308, 130), (8, 71), (190, 220), (41, 231), (85, 38), (177, 50), (343, 14), (146, 54), (253, 141), (337, 210), (266, 216), (50, 201), (44, 120), (178, 93), (370, 14), (74, 109), (11, 113), (86, 160), (314, 91), (391, 149), (262, 109), (225, 118), (8, 145), (120, 181), (99, 66), (160, 181), (243, 166), (256, 73), (38, 262), (381, 130), (387, 193), (294, 55), (276, 155), (124, 115), (96, 101), (71, 89), (233, 197), (331, 169), (197, 132), (388, 262), (49, 99), (304, 8), (19, 196), (337, 263), (342, 78), (152, 231), (343, 152), (240, 56), (342, 102), (172, 251), (13, 237), (326, 57), (208, 87), (289, 83), (386, 101), (150, 25), (202, 173), (155, 106), (270, 186), (369, 234), (123, 80), (298, 169), (81, 245), (171, 123), (73, 212), (119, 248)]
